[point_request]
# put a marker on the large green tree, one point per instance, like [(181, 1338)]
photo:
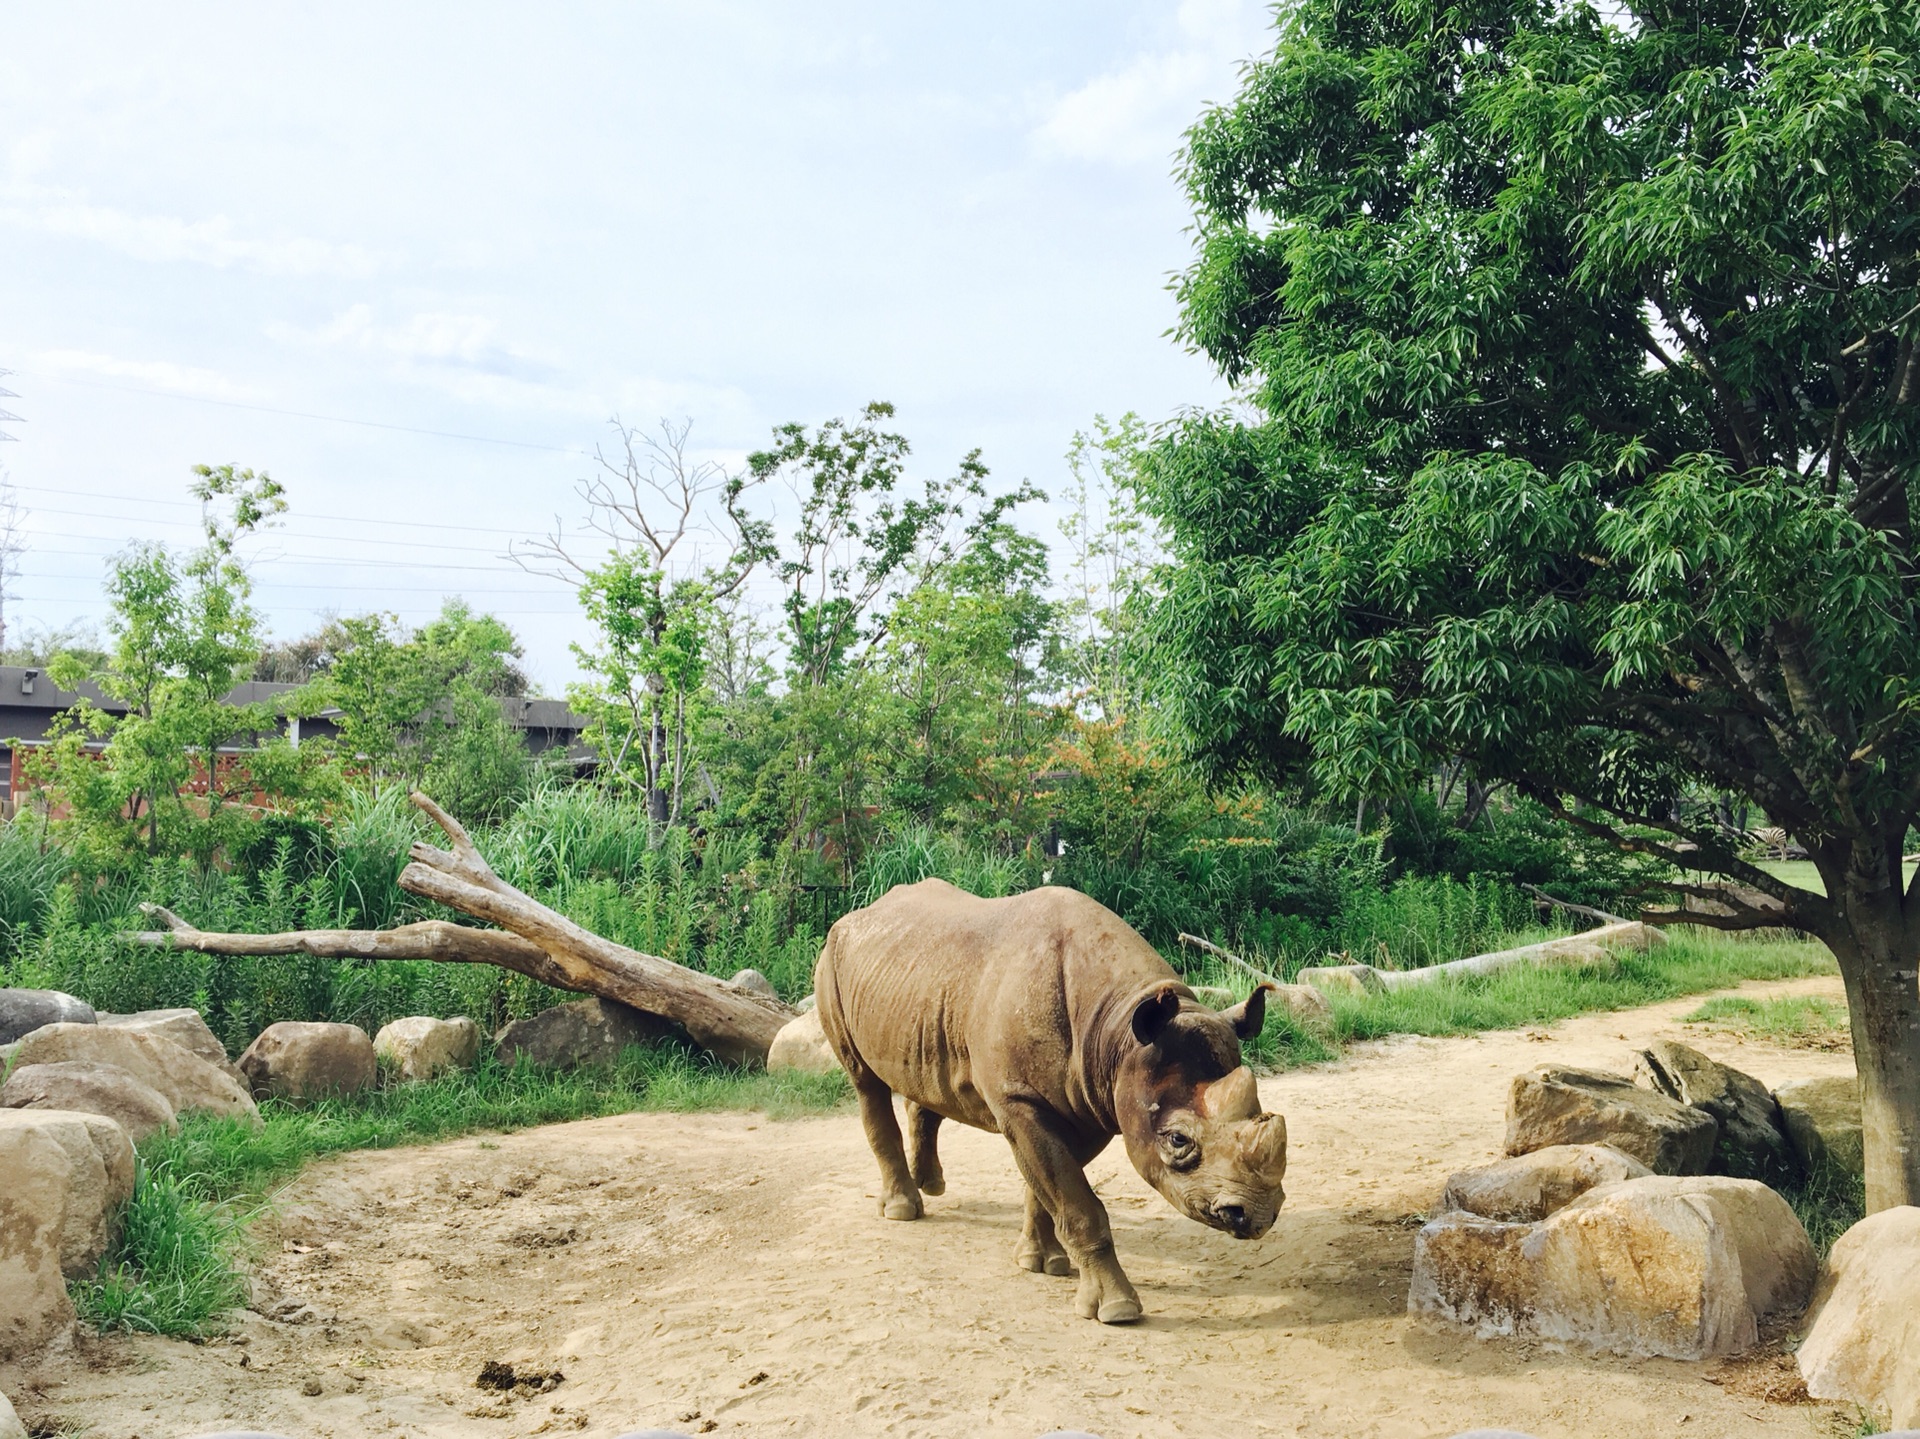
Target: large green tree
[(1580, 426)]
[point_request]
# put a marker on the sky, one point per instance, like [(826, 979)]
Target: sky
[(411, 260)]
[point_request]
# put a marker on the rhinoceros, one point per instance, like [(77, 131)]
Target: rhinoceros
[(1045, 1018)]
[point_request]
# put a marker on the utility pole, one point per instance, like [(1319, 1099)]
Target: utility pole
[(6, 394)]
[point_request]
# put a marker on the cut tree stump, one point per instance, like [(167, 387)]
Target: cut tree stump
[(734, 1024)]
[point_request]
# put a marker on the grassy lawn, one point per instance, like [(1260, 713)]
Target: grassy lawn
[(1796, 1021), (1691, 962), (1802, 873)]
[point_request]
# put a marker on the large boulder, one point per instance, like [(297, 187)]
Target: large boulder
[(801, 1048), (24, 1010), (34, 1308), (421, 1047), (1529, 1187), (583, 1034), (309, 1059), (1863, 1332), (1752, 1142), (185, 1027), (187, 1081), (99, 1179), (1588, 1106), (1684, 1268), (1823, 1122), (103, 1089)]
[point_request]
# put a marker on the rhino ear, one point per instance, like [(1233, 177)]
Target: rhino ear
[(1251, 1017), (1154, 1013)]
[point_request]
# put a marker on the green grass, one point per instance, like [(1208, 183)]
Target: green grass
[(1691, 962), (1797, 1021), (177, 1267), (1802, 873), (1829, 1204)]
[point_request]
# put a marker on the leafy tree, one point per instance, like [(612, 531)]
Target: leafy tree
[(423, 707), (179, 769), (860, 542), (1582, 350)]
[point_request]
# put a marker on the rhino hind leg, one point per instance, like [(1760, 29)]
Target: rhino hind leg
[(1040, 1251), (899, 1195), (923, 1149)]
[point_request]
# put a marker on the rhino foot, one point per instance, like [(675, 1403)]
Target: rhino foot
[(934, 1184), (1105, 1293), (1036, 1260), (900, 1206)]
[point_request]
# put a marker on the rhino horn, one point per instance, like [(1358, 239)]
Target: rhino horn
[(1235, 1097)]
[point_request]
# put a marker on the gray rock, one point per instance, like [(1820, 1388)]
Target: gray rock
[(103, 1089), (1752, 1143), (1682, 1268), (754, 981), (1862, 1339), (1588, 1106), (24, 1010), (185, 1027), (1823, 1122), (424, 1048), (10, 1425), (306, 1059), (1528, 1187), (186, 1081), (583, 1034)]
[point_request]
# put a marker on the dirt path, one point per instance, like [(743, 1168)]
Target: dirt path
[(728, 1274)]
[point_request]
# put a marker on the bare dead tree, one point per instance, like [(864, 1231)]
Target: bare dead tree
[(649, 505), (735, 1024)]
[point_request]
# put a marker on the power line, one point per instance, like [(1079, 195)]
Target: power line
[(304, 514), (302, 414)]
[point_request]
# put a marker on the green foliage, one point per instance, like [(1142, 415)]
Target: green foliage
[(423, 707), (1584, 360), (158, 775)]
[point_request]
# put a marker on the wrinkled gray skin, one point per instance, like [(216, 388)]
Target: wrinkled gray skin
[(1045, 1018)]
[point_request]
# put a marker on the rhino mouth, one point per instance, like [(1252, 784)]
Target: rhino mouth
[(1237, 1220)]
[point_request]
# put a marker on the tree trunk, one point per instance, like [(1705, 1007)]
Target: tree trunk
[(734, 1024), (1882, 974)]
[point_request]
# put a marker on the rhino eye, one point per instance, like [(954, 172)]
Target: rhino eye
[(1181, 1151)]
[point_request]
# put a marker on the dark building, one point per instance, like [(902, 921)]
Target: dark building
[(30, 702)]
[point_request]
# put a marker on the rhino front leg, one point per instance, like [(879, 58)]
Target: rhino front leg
[(923, 1149), (1058, 1176), (899, 1196), (1040, 1249)]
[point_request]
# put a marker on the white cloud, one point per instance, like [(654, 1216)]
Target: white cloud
[(1138, 112), (166, 238), (162, 374)]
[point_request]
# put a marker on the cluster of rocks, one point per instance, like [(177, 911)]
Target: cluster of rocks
[(1636, 1214), (82, 1088)]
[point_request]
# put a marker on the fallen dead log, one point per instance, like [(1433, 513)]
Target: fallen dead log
[(1583, 948), (734, 1024)]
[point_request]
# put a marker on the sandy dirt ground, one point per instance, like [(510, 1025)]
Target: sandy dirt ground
[(728, 1274)]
